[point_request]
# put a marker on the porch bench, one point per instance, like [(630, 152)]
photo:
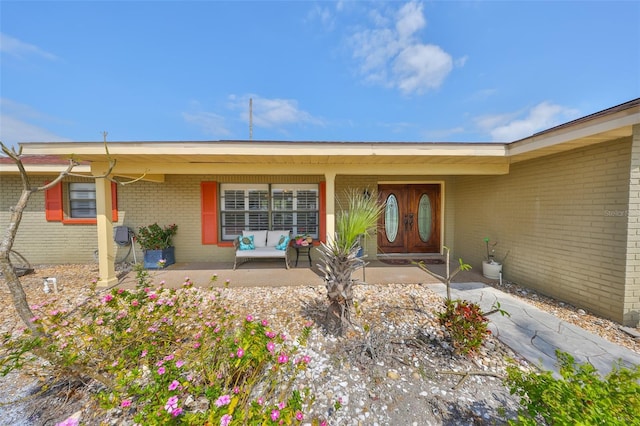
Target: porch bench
[(261, 245)]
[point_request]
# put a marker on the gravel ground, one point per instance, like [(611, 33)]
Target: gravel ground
[(401, 372)]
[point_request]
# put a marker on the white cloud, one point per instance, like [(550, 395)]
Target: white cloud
[(210, 123), (393, 55), (409, 20), (514, 126), (17, 124), (20, 49), (272, 113), (14, 130), (420, 67)]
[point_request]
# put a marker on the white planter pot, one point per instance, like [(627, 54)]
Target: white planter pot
[(491, 270)]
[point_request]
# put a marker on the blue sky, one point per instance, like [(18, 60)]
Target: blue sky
[(438, 71)]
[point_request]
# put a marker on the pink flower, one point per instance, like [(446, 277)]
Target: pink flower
[(299, 416), (161, 371), (236, 390), (125, 403), (265, 322), (169, 357), (144, 353), (249, 318), (196, 345), (225, 420), (271, 346), (283, 359), (179, 363), (223, 400), (99, 321), (281, 405), (107, 298), (172, 404), (240, 353), (174, 385), (270, 334), (176, 411), (71, 421), (305, 359), (135, 302), (274, 415)]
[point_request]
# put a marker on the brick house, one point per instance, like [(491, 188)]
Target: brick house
[(563, 202)]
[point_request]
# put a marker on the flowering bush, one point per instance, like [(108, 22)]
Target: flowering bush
[(153, 237), (176, 356), (465, 323)]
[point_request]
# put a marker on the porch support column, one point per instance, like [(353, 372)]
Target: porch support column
[(631, 301), (330, 178), (106, 249)]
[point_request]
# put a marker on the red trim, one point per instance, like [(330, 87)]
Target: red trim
[(53, 203), (322, 189), (71, 221), (209, 212)]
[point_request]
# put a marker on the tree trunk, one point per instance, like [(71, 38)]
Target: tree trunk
[(15, 288)]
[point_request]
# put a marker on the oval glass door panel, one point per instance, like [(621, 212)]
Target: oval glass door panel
[(391, 218), (424, 218)]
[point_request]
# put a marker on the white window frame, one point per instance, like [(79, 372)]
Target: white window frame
[(271, 210)]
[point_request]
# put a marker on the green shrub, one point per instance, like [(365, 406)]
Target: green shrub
[(175, 356), (580, 397), (465, 325)]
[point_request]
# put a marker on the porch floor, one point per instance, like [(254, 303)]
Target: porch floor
[(268, 272)]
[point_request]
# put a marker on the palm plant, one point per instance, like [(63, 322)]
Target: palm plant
[(339, 257)]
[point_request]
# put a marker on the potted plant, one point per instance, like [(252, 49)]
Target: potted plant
[(156, 243), (491, 267)]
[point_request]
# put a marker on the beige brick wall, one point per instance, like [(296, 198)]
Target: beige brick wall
[(632, 278), (563, 220), (41, 241)]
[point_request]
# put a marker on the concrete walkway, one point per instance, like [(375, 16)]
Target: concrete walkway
[(535, 334)]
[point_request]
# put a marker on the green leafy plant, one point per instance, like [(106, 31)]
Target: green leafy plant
[(154, 237), (174, 356), (580, 396), (465, 324)]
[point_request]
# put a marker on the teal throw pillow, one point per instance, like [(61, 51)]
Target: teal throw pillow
[(282, 243), (246, 243)]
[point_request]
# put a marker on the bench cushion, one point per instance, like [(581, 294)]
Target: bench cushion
[(262, 252)]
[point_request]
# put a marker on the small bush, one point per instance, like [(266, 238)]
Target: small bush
[(465, 324), (175, 356), (581, 396)]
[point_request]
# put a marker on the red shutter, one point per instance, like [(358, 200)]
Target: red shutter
[(114, 202), (53, 203), (322, 189), (209, 212)]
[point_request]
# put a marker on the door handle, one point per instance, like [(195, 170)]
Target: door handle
[(410, 221)]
